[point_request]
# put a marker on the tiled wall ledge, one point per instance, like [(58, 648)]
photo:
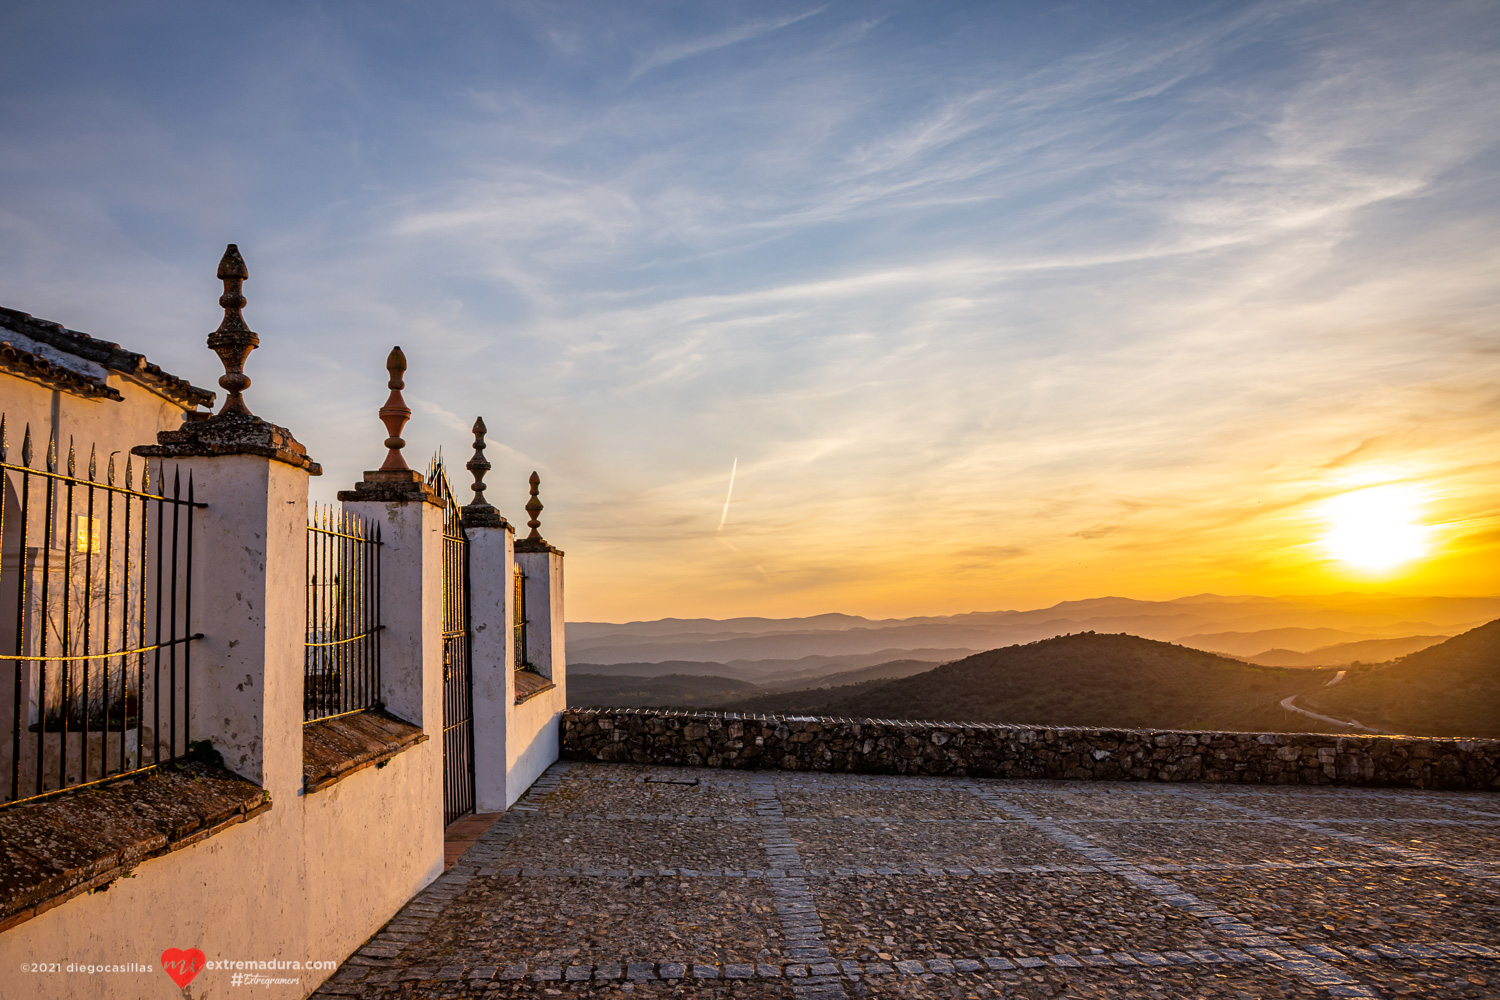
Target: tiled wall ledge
[(333, 749), (887, 746), (82, 840)]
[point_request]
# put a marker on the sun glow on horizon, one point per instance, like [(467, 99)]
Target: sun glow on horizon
[(1377, 529)]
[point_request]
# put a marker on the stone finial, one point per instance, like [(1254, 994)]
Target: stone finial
[(394, 481), (233, 340), (479, 514), (534, 508), (234, 430), (478, 465), (395, 413)]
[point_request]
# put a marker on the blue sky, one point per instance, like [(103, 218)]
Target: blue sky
[(992, 304)]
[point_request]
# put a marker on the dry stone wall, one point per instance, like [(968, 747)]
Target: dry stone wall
[(885, 746)]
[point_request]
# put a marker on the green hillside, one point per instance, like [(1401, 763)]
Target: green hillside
[(1451, 689)]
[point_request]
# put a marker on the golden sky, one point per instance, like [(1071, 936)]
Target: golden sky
[(986, 306)]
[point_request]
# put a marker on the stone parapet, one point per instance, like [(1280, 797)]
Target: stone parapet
[(990, 750)]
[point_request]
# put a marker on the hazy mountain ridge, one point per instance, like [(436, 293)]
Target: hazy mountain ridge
[(1345, 653), (1350, 617)]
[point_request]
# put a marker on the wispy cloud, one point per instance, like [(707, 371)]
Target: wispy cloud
[(1085, 299), (666, 55)]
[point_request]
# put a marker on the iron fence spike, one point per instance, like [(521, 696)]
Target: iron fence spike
[(72, 459), (51, 452), (93, 463), (4, 440), (26, 447), (109, 470)]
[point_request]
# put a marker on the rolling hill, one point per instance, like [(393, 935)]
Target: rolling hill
[(1451, 689), (663, 691), (709, 689), (1086, 679)]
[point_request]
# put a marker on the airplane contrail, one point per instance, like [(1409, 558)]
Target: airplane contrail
[(725, 516), (719, 533)]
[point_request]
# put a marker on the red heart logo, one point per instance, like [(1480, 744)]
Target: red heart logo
[(182, 965)]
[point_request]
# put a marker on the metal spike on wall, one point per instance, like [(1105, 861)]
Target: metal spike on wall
[(72, 460), (93, 463), (51, 452), (26, 448), (109, 470), (4, 439)]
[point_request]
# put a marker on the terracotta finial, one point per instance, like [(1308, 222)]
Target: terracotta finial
[(395, 413), (534, 508), (478, 465), (233, 340)]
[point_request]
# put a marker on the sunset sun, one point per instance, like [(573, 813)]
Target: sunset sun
[(1377, 529)]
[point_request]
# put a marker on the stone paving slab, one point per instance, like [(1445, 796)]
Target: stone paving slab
[(1220, 843), (1118, 802), (826, 844), (1367, 907), (824, 885), (654, 843), (1455, 840)]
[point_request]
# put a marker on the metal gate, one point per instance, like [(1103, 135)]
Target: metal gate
[(458, 688)]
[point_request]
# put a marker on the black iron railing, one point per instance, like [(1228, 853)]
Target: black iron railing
[(518, 618), (342, 650), (458, 689), (95, 619)]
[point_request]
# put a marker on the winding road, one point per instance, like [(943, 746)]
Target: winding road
[(1290, 704)]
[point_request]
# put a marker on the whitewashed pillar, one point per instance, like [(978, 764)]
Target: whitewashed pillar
[(410, 515), (250, 567), (542, 564), (491, 611)]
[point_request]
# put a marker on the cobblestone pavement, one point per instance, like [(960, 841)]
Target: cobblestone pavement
[(617, 880)]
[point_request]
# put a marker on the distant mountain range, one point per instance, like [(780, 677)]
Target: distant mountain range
[(760, 648), (1121, 681), (1344, 653)]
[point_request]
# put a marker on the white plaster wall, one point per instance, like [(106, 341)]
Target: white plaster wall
[(315, 876), (545, 641), (532, 731), (311, 879), (366, 848), (411, 608), (250, 554), (491, 606), (532, 745)]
